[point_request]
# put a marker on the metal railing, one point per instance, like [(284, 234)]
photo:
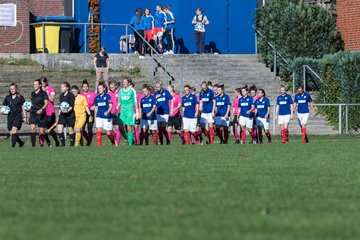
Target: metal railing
[(305, 68), (153, 52), (342, 115)]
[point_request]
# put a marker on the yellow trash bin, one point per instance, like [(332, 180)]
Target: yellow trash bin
[(52, 36)]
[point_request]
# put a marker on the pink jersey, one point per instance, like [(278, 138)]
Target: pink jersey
[(139, 96), (50, 107), (90, 98), (114, 99), (177, 103), (236, 106), (255, 98)]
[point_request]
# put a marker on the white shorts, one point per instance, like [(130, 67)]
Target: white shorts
[(263, 122), (222, 121), (303, 118), (162, 118), (190, 124), (284, 119), (104, 123), (247, 122), (206, 118), (150, 124)]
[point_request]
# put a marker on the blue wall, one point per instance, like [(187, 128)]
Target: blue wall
[(230, 22)]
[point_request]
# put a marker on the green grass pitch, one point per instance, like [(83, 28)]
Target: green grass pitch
[(180, 192)]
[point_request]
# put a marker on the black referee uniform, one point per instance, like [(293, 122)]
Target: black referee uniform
[(38, 102), (67, 119), (15, 116)]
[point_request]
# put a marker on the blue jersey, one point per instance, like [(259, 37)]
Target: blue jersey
[(160, 19), (148, 20), (169, 18), (163, 99), (102, 102), (222, 103), (137, 26), (245, 105), (189, 103), (207, 99), (303, 102), (262, 107), (147, 104), (284, 102)]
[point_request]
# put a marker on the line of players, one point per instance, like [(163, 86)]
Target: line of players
[(156, 112)]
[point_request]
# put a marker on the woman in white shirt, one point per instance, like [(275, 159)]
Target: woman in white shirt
[(200, 21)]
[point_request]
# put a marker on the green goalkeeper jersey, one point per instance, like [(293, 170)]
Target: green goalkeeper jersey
[(127, 99)]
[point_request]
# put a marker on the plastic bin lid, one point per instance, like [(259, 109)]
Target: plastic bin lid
[(54, 19)]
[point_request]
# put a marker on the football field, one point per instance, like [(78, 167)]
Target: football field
[(275, 191)]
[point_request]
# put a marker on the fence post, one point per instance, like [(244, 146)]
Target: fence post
[(85, 38), (43, 37), (340, 119), (274, 121), (127, 39), (347, 119), (275, 60), (293, 77), (304, 77)]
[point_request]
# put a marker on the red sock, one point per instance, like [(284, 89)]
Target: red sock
[(287, 135), (187, 138), (98, 138), (155, 137), (283, 136), (219, 134), (181, 135), (212, 135), (268, 135), (206, 132), (111, 137), (260, 135), (303, 135), (243, 136), (226, 135)]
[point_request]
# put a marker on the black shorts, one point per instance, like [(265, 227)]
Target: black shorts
[(234, 121), (50, 120), (39, 120), (115, 119), (14, 121), (137, 121), (67, 120), (92, 114), (175, 121)]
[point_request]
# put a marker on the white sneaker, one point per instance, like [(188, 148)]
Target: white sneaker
[(136, 52), (166, 53), (141, 57), (171, 52)]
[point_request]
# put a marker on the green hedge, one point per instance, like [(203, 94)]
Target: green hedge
[(297, 30), (341, 84)]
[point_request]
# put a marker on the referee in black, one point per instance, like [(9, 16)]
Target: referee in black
[(39, 100), (66, 117), (16, 115)]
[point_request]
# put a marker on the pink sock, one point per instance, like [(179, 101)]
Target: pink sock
[(192, 138), (137, 136), (236, 133), (169, 135), (41, 139), (117, 136)]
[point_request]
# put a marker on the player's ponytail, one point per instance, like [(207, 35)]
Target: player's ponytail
[(85, 82), (245, 88), (262, 91)]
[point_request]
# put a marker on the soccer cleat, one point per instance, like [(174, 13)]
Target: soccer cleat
[(21, 144), (237, 141)]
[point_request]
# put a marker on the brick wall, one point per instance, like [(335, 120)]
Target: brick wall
[(40, 8), (348, 20), (16, 39)]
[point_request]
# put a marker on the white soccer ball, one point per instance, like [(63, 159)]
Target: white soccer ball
[(64, 106), (5, 110), (27, 106), (160, 34)]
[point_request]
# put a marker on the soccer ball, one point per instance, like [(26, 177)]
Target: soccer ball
[(160, 34), (64, 106), (5, 110), (27, 106)]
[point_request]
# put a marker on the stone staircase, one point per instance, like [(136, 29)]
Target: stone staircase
[(232, 70)]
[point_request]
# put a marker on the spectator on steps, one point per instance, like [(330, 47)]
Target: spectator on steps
[(170, 30), (101, 64), (200, 21)]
